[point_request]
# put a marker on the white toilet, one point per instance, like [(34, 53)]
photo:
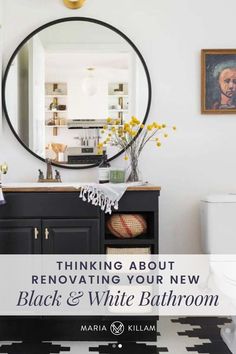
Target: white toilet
[(218, 222)]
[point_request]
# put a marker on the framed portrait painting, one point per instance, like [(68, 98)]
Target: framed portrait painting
[(218, 81)]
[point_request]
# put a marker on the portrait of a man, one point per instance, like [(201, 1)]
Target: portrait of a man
[(218, 81)]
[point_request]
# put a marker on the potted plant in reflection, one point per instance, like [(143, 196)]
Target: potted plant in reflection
[(132, 137)]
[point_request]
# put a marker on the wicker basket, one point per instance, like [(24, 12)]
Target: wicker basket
[(127, 225), (131, 250)]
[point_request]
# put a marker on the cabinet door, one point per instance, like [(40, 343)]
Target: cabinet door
[(70, 236), (20, 236)]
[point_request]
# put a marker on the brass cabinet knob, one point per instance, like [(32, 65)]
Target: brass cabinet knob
[(36, 233), (46, 234)]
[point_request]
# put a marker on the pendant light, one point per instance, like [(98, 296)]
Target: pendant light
[(89, 85)]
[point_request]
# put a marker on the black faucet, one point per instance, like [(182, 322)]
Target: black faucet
[(57, 176), (49, 174)]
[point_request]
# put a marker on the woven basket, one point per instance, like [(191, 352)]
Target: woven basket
[(127, 225), (131, 250)]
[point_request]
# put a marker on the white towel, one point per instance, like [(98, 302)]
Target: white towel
[(106, 195), (2, 199)]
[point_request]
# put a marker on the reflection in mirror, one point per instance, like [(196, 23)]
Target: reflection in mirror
[(65, 82)]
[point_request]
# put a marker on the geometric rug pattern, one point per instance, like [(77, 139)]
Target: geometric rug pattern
[(182, 335), (208, 331)]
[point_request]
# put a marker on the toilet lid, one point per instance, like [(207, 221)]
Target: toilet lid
[(220, 198)]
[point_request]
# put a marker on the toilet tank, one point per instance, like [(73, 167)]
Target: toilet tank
[(218, 224)]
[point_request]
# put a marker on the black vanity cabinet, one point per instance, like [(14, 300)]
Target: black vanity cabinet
[(20, 236), (70, 236), (49, 236), (48, 223), (42, 221)]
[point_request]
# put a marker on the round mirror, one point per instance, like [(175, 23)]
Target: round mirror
[(65, 81)]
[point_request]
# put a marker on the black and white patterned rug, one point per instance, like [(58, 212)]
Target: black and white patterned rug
[(176, 336), (192, 334), (204, 334), (183, 336)]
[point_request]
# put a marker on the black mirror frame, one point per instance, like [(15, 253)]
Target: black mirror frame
[(67, 19)]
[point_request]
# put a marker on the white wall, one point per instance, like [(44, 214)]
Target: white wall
[(200, 158)]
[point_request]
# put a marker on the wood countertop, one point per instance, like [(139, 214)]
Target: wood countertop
[(40, 187)]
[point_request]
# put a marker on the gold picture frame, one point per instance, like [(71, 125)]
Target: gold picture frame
[(218, 81)]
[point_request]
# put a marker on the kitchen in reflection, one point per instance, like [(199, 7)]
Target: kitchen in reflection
[(65, 82)]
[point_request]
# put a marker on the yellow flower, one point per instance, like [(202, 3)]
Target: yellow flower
[(157, 139), (133, 133), (155, 124), (105, 127), (158, 144), (109, 120), (174, 127), (126, 127), (117, 122), (163, 125), (126, 158), (142, 126), (113, 129), (100, 145), (109, 134), (135, 121), (149, 127), (102, 131), (165, 135)]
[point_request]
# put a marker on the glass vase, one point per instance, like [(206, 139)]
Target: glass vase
[(134, 173)]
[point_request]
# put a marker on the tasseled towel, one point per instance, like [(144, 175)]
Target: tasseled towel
[(2, 199), (106, 197)]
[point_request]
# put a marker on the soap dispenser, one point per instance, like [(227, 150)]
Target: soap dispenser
[(104, 169)]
